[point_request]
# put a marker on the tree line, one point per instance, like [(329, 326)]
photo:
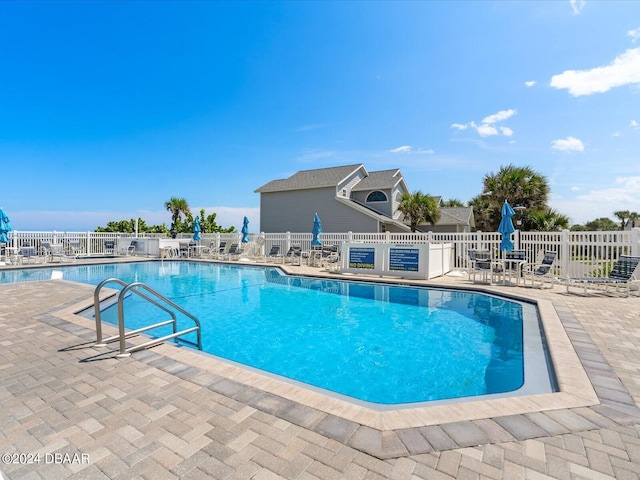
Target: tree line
[(525, 189), (182, 221)]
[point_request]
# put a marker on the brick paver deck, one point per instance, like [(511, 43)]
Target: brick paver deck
[(75, 411)]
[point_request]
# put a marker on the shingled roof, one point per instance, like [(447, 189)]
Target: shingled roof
[(379, 180), (318, 178)]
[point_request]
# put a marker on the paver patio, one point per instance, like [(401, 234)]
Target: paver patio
[(157, 415)]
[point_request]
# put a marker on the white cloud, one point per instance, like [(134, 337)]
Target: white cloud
[(569, 144), (403, 149), (506, 131), (485, 130), (501, 116), (633, 124), (530, 83), (622, 194), (406, 149), (617, 134), (577, 6), (624, 70), (634, 34), (487, 126)]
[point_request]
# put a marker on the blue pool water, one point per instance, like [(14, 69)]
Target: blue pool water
[(377, 343)]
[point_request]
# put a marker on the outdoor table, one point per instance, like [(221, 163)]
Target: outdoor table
[(506, 267)]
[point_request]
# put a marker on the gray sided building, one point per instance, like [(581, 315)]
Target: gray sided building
[(347, 198)]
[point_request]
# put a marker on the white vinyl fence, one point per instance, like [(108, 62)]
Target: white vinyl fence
[(578, 253)]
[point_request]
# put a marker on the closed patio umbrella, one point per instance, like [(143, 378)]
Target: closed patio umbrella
[(5, 227), (317, 230), (197, 230), (245, 230), (506, 227)]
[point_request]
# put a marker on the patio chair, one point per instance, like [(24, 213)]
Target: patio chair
[(127, 248), (76, 249), (623, 274), (481, 263), (328, 251), (275, 254), (30, 254), (57, 251), (540, 271), (220, 251), (109, 247), (234, 251), (333, 262), (294, 255)]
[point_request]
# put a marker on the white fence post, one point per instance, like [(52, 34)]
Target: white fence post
[(565, 253), (635, 241)]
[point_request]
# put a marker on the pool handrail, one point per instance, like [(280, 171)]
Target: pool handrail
[(122, 335)]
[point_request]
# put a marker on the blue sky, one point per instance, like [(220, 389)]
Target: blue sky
[(108, 109)]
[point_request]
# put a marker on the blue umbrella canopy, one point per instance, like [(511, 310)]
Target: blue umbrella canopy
[(317, 230), (5, 227), (245, 230), (197, 230), (506, 227)]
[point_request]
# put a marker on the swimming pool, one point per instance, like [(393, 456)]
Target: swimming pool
[(379, 344)]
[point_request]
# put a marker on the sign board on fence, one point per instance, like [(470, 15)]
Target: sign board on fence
[(362, 258), (397, 260), (404, 259)]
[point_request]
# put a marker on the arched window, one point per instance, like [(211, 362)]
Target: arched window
[(377, 196)]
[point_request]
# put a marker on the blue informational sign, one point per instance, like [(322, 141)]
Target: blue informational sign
[(360, 257), (404, 259)]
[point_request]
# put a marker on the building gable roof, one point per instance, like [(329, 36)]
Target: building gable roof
[(380, 180), (318, 178)]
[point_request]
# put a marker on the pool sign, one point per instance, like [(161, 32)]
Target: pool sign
[(404, 259), (407, 260), (362, 257)]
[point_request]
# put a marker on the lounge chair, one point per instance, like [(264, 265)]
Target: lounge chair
[(540, 271), (623, 274)]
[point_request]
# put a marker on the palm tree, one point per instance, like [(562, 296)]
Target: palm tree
[(633, 218), (177, 207), (623, 216), (521, 186), (453, 202), (481, 212), (418, 208), (548, 220)]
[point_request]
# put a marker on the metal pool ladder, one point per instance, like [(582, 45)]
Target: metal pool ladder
[(153, 297)]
